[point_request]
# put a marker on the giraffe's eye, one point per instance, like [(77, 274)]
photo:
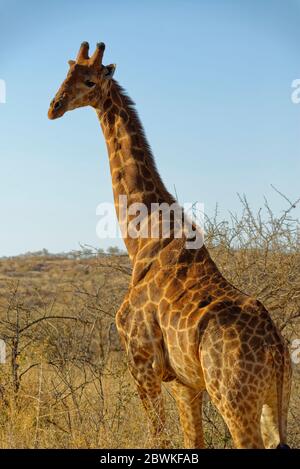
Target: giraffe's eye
[(89, 83)]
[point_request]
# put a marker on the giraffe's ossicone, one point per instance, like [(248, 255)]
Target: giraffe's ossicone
[(181, 320)]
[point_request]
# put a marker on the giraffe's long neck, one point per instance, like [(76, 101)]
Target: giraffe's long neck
[(132, 165)]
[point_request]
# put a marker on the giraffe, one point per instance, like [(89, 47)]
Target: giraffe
[(181, 322)]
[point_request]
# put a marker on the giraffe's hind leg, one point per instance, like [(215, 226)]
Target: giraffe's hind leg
[(243, 425), (269, 417), (241, 412), (269, 424), (189, 404)]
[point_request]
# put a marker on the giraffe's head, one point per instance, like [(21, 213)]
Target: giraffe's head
[(86, 83)]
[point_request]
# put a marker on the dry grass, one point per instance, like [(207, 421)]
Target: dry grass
[(65, 383)]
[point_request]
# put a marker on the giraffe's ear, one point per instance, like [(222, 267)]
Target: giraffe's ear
[(109, 71), (71, 62)]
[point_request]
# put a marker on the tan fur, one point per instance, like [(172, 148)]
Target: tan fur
[(181, 321)]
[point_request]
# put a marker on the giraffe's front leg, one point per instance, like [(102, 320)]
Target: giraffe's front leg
[(189, 404), (152, 400), (142, 339)]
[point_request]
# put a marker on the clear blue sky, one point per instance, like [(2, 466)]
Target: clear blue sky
[(212, 83)]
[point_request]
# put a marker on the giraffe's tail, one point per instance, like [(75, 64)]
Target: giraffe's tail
[(283, 370)]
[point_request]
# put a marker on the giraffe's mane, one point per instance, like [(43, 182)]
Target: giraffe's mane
[(130, 107)]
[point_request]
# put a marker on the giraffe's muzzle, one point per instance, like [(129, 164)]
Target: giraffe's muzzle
[(56, 108)]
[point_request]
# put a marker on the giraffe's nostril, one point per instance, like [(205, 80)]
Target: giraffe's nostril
[(57, 104)]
